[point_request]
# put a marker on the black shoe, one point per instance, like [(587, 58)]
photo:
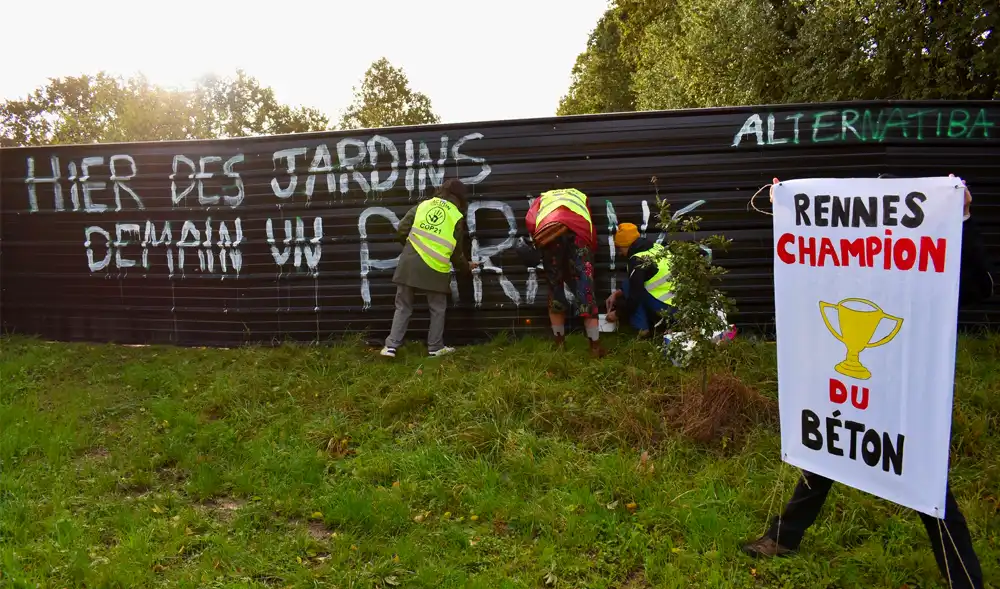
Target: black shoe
[(766, 547)]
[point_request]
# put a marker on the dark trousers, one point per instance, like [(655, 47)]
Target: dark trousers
[(647, 310), (807, 500)]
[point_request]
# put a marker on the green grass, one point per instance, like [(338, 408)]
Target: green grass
[(507, 465)]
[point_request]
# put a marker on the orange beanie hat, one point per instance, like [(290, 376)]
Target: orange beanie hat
[(626, 235)]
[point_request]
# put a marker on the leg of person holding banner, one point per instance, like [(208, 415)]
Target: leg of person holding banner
[(787, 529), (950, 538), (952, 546)]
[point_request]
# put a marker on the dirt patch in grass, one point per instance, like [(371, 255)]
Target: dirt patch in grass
[(268, 580), (92, 456), (97, 454), (636, 580), (223, 508), (172, 475), (213, 413), (500, 527), (134, 487), (726, 408), (317, 531)]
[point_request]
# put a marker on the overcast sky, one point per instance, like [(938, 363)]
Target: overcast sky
[(476, 59)]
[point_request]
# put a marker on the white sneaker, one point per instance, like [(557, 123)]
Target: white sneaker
[(388, 352), (442, 352)]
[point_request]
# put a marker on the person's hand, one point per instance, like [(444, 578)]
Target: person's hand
[(473, 266), (611, 317), (967, 211), (610, 303), (774, 182)]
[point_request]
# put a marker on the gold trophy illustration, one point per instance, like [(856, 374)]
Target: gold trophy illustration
[(859, 319)]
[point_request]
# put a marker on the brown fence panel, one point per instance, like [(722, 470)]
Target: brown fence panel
[(290, 237)]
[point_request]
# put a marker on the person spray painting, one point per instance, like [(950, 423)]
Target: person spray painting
[(647, 290), (950, 539), (433, 233), (561, 226)]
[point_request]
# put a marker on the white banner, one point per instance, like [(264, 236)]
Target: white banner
[(866, 298)]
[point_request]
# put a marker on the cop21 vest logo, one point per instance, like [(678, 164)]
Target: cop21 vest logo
[(435, 216)]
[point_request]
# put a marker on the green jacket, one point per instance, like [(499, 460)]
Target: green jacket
[(412, 271)]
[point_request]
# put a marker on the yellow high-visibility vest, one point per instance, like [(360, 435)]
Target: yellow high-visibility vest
[(571, 198), (660, 284), (433, 232)]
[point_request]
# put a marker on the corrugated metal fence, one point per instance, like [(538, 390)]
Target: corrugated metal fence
[(290, 237)]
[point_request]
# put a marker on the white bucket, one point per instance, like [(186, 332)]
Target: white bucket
[(606, 326)]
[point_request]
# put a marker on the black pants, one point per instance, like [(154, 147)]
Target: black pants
[(807, 500)]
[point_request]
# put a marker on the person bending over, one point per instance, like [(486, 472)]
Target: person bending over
[(561, 226), (433, 234), (647, 290)]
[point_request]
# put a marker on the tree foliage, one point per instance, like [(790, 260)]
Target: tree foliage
[(701, 53), (601, 76), (240, 107), (697, 299), (105, 108), (908, 49), (711, 53), (385, 99)]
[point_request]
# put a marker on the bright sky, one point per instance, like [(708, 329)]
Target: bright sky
[(475, 59)]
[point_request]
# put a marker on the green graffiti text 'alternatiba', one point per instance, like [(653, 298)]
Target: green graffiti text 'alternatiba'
[(866, 126)]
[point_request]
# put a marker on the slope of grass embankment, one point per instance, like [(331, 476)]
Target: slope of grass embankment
[(507, 465)]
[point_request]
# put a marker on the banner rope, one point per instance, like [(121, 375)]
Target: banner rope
[(751, 203), (957, 553), (944, 549)]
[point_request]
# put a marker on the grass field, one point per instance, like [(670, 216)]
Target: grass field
[(506, 465)]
